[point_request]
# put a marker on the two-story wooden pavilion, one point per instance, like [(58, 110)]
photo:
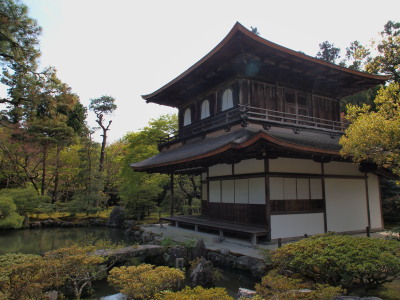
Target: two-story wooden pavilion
[(261, 124)]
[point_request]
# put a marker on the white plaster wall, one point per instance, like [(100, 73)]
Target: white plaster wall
[(341, 168), (374, 201), (220, 170), (257, 190), (249, 166), (242, 191), (215, 191), (316, 188), (292, 165), (228, 191), (293, 225), (346, 204), (276, 188)]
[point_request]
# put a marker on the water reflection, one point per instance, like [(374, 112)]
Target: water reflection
[(36, 241)]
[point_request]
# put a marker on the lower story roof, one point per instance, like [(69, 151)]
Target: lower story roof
[(240, 144)]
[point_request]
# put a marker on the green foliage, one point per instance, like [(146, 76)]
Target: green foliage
[(19, 38), (73, 267), (197, 293), (140, 191), (144, 281), (375, 135), (281, 287), (387, 61), (22, 277), (328, 52), (338, 260), (9, 218), (27, 200)]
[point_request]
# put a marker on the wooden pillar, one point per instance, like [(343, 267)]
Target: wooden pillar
[(172, 195), (367, 200), (324, 197), (267, 200)]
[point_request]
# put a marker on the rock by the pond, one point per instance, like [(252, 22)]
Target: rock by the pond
[(118, 296), (245, 293), (48, 223), (256, 266), (202, 274), (174, 252), (123, 254), (35, 225), (52, 295), (129, 224), (199, 250), (117, 217)]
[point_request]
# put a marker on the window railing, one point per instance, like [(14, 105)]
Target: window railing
[(244, 114)]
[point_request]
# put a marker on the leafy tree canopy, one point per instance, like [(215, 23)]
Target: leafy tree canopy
[(375, 135)]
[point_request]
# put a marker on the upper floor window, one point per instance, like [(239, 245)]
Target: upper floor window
[(227, 100), (187, 117), (205, 109)]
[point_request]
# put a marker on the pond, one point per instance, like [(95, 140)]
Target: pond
[(37, 241)]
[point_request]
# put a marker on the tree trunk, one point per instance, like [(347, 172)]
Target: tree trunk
[(56, 175), (103, 149), (44, 170)]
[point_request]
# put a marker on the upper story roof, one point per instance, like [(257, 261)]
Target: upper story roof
[(243, 53)]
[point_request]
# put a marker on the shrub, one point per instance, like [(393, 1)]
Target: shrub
[(281, 287), (21, 277), (9, 218), (144, 281), (341, 260), (197, 293)]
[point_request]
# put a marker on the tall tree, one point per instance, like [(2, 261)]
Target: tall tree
[(19, 49), (103, 106), (140, 191), (375, 135), (328, 52), (388, 59)]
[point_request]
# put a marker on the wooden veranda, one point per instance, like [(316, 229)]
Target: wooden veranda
[(201, 222)]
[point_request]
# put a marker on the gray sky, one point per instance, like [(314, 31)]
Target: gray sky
[(127, 48)]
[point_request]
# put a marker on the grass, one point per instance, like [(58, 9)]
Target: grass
[(105, 214)]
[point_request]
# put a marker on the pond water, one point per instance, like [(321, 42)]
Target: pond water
[(37, 241)]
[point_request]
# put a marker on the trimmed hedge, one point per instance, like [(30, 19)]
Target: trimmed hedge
[(341, 260)]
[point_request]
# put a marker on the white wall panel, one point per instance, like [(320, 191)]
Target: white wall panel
[(242, 191), (228, 191), (294, 225), (346, 204), (341, 168), (292, 165), (289, 190), (249, 166), (303, 188), (215, 191), (276, 188), (220, 170), (374, 201), (316, 188), (257, 190)]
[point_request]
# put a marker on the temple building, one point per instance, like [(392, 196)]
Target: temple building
[(261, 124)]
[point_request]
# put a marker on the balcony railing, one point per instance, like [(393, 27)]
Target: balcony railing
[(244, 114)]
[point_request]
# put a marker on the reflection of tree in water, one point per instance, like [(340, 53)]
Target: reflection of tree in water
[(37, 241)]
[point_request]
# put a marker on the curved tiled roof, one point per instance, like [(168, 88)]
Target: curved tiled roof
[(284, 138), (227, 48)]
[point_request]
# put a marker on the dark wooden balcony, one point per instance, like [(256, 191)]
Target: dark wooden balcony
[(244, 114)]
